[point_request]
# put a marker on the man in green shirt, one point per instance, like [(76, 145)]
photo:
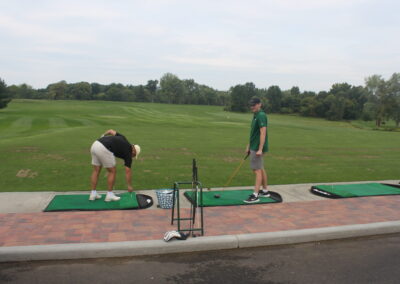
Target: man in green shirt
[(256, 148)]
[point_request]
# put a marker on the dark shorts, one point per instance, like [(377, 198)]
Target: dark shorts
[(256, 162)]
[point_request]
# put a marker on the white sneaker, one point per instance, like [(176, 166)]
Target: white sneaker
[(93, 197), (112, 198)]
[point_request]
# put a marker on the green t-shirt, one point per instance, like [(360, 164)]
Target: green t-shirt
[(259, 120)]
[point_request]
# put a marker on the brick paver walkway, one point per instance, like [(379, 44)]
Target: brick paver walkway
[(115, 226)]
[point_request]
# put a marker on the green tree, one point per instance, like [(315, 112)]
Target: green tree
[(118, 92), (394, 94), (22, 91), (359, 96), (274, 95), (224, 98), (396, 111), (368, 112), (350, 109), (377, 88), (291, 101), (13, 91), (172, 87), (209, 94), (80, 91), (191, 92), (340, 89), (241, 95), (336, 106), (352, 97), (295, 91), (141, 94), (322, 105), (96, 88), (151, 87), (57, 91), (5, 97), (308, 106)]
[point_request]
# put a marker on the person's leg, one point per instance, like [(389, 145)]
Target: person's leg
[(264, 180), (111, 178), (257, 164), (110, 182), (95, 176), (95, 173), (258, 181), (264, 192), (257, 170)]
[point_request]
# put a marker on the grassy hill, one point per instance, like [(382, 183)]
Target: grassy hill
[(45, 145)]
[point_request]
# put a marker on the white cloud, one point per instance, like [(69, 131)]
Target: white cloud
[(82, 10), (220, 42), (35, 32), (219, 62)]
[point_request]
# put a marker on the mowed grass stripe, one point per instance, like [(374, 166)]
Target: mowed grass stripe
[(21, 124), (57, 122), (154, 116), (40, 124), (73, 122), (88, 122), (7, 121)]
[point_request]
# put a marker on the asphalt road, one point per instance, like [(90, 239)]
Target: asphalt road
[(364, 260)]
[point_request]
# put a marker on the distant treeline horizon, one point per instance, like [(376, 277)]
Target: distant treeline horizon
[(378, 99)]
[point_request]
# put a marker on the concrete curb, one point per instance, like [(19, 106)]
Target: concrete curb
[(154, 247), (115, 249), (318, 234)]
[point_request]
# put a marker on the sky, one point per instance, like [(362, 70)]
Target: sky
[(311, 44)]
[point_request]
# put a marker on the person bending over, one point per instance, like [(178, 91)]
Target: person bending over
[(104, 150)]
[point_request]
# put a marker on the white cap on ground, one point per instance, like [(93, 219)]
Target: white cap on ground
[(137, 149)]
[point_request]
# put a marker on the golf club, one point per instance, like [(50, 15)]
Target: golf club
[(237, 170)]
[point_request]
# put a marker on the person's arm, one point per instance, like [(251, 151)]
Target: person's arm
[(247, 148), (110, 132), (128, 176), (263, 134)]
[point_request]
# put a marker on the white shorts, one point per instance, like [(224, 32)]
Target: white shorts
[(101, 156)]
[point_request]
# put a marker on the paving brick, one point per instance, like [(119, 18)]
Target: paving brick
[(20, 229)]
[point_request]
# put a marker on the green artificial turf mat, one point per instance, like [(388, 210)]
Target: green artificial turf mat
[(227, 198), (81, 202), (357, 190)]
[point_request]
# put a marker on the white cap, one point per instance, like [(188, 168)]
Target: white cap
[(137, 149)]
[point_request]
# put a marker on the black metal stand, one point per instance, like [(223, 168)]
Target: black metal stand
[(196, 204)]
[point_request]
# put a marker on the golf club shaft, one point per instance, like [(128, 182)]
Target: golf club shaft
[(236, 171)]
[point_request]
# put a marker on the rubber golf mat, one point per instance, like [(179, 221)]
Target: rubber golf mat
[(231, 197), (80, 202), (355, 190)]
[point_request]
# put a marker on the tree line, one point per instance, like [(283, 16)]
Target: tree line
[(378, 99), (170, 89)]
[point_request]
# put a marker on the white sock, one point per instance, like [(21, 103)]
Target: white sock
[(264, 190), (94, 192), (110, 193)]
